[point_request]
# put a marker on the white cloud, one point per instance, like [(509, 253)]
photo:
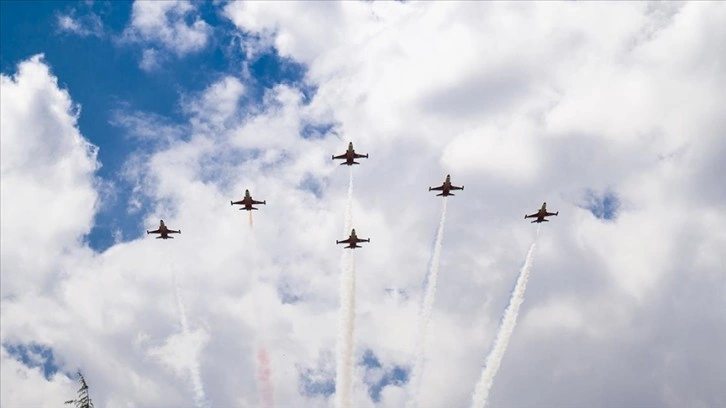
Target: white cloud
[(48, 181), (84, 26), (501, 95), (173, 25), (216, 105), (526, 102), (23, 386), (150, 60)]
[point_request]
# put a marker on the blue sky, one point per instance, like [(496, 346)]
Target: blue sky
[(190, 103)]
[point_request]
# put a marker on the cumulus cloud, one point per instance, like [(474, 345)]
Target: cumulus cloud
[(555, 100), (48, 176)]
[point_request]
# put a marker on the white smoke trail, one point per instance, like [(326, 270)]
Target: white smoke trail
[(264, 380), (346, 328), (425, 312), (200, 399), (506, 328), (349, 203), (249, 217)]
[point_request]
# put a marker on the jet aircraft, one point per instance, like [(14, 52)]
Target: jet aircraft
[(352, 241), (541, 214), (350, 155), (247, 202), (163, 231), (446, 187)]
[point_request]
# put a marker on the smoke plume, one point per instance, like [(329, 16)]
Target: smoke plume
[(425, 311), (506, 328), (264, 381), (199, 397), (346, 328)]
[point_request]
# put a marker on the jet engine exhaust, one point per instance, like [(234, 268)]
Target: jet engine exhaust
[(425, 312), (345, 348), (506, 328)]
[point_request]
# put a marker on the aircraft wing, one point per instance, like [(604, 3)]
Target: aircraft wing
[(357, 156), (257, 202), (156, 231), (439, 188), (173, 232), (241, 202), (453, 187), (547, 213), (531, 215), (342, 156), (345, 241)]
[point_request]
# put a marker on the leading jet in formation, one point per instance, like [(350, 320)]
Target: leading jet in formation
[(163, 231), (352, 241), (247, 202), (350, 155), (541, 214), (446, 187)]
